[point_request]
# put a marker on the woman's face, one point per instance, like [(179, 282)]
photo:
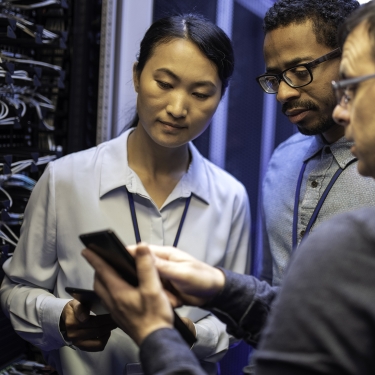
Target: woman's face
[(178, 92)]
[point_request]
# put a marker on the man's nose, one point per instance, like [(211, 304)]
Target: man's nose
[(341, 115), (286, 93)]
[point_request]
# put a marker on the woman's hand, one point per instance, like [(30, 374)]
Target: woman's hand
[(87, 332)]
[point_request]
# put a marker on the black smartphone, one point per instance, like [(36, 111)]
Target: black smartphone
[(88, 298), (107, 245)]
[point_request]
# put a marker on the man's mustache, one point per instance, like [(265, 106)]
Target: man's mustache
[(300, 104)]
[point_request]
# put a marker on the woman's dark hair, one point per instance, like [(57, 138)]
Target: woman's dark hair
[(365, 14), (209, 38), (326, 16)]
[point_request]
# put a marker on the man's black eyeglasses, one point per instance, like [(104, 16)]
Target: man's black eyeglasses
[(297, 76)]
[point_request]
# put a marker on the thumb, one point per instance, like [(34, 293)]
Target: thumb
[(82, 313), (148, 276)]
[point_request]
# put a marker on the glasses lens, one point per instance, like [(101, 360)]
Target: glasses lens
[(343, 97), (270, 84), (297, 76), (340, 96)]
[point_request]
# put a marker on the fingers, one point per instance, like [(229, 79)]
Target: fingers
[(174, 300), (82, 313), (107, 283), (190, 325), (96, 344), (107, 275), (86, 333), (101, 290), (90, 335), (96, 322), (163, 252), (137, 310), (169, 269), (147, 274), (170, 253), (97, 262), (132, 249)]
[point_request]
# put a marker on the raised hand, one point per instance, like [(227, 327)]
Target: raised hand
[(193, 282)]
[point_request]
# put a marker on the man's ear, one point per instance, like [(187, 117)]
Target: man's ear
[(135, 77)]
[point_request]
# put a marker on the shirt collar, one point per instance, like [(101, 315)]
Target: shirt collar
[(115, 171), (340, 149), (196, 180)]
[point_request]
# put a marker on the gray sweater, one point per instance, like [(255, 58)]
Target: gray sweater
[(322, 321)]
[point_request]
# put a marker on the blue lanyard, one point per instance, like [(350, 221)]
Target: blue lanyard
[(135, 222), (318, 206)]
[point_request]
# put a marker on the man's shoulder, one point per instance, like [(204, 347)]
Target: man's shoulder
[(290, 152), (344, 232), (339, 249), (297, 140)]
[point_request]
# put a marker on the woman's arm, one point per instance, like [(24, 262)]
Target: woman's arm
[(30, 275)]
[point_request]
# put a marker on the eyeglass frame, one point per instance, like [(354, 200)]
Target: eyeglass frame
[(342, 86), (312, 64)]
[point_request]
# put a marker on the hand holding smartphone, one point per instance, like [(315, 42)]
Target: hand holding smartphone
[(107, 245)]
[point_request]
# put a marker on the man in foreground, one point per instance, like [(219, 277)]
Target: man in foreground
[(323, 321)]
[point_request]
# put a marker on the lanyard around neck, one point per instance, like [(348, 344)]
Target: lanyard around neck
[(318, 206), (135, 222)]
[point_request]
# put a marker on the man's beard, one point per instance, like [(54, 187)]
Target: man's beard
[(323, 124)]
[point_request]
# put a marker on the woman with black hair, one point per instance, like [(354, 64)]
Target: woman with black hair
[(149, 184)]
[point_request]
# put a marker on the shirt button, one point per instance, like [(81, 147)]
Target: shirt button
[(302, 233), (314, 184)]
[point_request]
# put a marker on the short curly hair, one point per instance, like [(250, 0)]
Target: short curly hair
[(326, 15)]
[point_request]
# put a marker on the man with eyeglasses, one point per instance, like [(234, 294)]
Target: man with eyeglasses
[(324, 319), (355, 94), (312, 175)]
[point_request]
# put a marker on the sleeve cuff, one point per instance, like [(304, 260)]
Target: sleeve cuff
[(212, 339), (235, 297), (165, 352), (51, 309), (243, 304)]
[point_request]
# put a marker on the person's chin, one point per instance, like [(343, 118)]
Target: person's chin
[(314, 129), (170, 141), (308, 131)]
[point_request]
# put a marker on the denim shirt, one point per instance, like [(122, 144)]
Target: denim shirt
[(349, 192)]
